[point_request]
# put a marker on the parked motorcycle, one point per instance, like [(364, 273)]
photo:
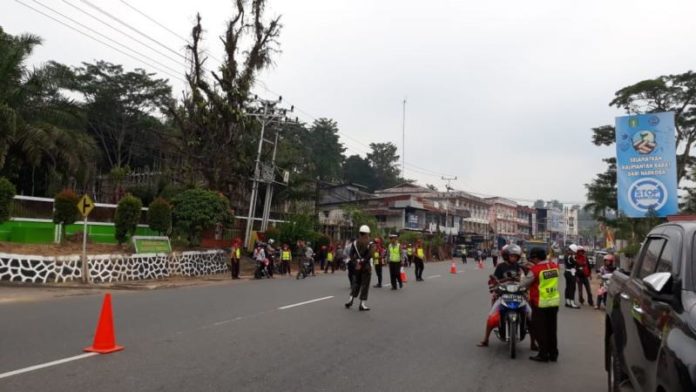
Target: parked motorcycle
[(305, 268), (512, 323), (261, 270)]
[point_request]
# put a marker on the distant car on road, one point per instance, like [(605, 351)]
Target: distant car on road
[(650, 323)]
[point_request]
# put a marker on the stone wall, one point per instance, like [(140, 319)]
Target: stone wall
[(110, 268)]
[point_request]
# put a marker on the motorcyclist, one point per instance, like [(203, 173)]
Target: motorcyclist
[(605, 271), (260, 257), (509, 271)]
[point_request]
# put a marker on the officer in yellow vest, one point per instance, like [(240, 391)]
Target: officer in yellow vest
[(285, 259), (235, 257), (545, 300), (409, 253), (419, 260), (394, 254), (330, 260)]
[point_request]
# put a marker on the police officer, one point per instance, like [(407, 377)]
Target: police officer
[(330, 260), (545, 300), (285, 259), (419, 260), (360, 254), (378, 260), (409, 253), (394, 254), (235, 256)]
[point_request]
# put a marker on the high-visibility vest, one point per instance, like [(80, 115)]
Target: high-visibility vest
[(549, 297), (409, 251), (420, 253), (286, 255), (329, 257), (394, 253), (376, 258), (238, 253)]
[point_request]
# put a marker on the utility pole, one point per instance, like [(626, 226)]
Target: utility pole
[(403, 142), (448, 187), (266, 113)]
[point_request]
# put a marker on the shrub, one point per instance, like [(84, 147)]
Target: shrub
[(65, 209), (159, 215), (145, 193), (127, 217), (7, 193), (300, 227), (198, 209)]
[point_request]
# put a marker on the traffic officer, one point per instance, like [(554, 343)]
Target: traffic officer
[(419, 260), (378, 260), (360, 253), (285, 259), (409, 254), (394, 252), (235, 257), (329, 259), (545, 300)]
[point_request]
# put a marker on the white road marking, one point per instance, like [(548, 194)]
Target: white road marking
[(433, 276), (45, 365), (305, 302)]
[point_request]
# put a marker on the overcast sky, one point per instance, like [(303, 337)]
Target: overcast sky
[(500, 94)]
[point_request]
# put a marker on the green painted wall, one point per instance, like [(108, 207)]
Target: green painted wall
[(42, 232)]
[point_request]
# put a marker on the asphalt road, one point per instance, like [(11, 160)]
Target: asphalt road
[(235, 336)]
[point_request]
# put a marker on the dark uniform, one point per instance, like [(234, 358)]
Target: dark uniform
[(360, 256)]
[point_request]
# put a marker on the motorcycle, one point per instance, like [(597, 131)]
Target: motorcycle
[(261, 270), (512, 321)]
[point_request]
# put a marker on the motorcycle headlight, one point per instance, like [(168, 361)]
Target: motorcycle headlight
[(512, 288)]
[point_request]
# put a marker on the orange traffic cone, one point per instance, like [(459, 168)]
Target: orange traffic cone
[(403, 275), (104, 338), (453, 268)]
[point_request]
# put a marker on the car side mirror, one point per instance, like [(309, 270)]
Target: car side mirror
[(659, 282)]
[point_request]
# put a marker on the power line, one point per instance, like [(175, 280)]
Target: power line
[(97, 40), (109, 15), (122, 32)]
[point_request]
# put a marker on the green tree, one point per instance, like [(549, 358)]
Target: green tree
[(7, 193), (326, 151), (198, 209), (159, 215), (127, 217), (358, 170), (384, 161), (298, 227), (65, 209), (216, 138)]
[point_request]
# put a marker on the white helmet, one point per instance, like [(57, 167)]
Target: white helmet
[(271, 241), (364, 229), (514, 250), (573, 248)]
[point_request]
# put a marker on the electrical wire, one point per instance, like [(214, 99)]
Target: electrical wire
[(98, 40)]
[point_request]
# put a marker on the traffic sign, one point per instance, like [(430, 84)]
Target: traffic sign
[(85, 205)]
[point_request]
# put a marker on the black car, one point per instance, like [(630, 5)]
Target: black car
[(650, 324)]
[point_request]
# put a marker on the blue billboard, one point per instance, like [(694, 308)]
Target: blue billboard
[(646, 167)]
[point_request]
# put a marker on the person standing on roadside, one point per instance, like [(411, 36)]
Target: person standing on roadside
[(545, 300), (394, 254), (569, 273), (584, 275), (494, 254), (361, 251), (419, 260), (378, 261), (235, 258), (330, 260), (285, 259)]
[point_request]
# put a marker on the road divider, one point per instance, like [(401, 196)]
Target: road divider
[(304, 303), (45, 365)]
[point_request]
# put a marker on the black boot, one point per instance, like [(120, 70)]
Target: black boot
[(363, 307), (350, 302)]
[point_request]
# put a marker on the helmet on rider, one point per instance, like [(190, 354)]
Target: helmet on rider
[(505, 253), (364, 229), (270, 242), (514, 250), (608, 259)]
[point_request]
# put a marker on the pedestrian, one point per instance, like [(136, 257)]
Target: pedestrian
[(309, 255), (378, 260), (494, 254), (360, 254), (235, 256), (584, 274), (464, 255), (545, 300), (286, 258), (394, 252), (330, 260), (419, 260), (322, 257)]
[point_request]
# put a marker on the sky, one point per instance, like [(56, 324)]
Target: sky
[(502, 94)]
